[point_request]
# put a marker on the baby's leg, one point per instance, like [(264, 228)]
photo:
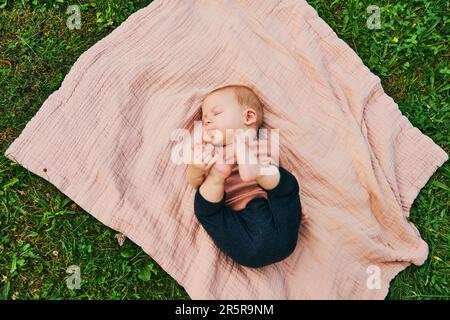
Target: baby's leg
[(268, 181), (285, 205), (212, 189), (228, 230)]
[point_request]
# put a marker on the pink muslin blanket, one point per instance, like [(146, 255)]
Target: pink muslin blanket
[(104, 139)]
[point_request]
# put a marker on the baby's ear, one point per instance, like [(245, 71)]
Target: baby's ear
[(250, 116)]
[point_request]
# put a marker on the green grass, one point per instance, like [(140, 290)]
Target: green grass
[(42, 232)]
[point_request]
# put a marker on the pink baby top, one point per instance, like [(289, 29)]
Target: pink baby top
[(239, 193)]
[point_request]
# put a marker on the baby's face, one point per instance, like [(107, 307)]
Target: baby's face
[(221, 111)]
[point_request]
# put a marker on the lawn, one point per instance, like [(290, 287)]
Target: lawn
[(42, 232)]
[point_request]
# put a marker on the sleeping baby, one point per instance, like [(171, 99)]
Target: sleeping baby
[(249, 205)]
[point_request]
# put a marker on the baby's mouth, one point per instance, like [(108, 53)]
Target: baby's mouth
[(208, 135), (211, 134)]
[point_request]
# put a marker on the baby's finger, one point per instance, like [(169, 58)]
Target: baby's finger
[(205, 154), (207, 158), (209, 148), (264, 160), (263, 151), (211, 162), (263, 143), (196, 156)]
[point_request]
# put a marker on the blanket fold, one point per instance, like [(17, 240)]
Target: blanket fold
[(105, 137)]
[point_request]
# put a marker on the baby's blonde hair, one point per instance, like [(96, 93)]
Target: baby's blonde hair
[(247, 98)]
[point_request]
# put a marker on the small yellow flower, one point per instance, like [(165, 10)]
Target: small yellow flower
[(395, 39)]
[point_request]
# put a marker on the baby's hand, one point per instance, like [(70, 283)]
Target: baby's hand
[(202, 157)]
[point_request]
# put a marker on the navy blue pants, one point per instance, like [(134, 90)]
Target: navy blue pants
[(262, 233)]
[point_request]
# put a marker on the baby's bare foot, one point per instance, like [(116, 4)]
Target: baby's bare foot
[(252, 159), (247, 161), (249, 172)]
